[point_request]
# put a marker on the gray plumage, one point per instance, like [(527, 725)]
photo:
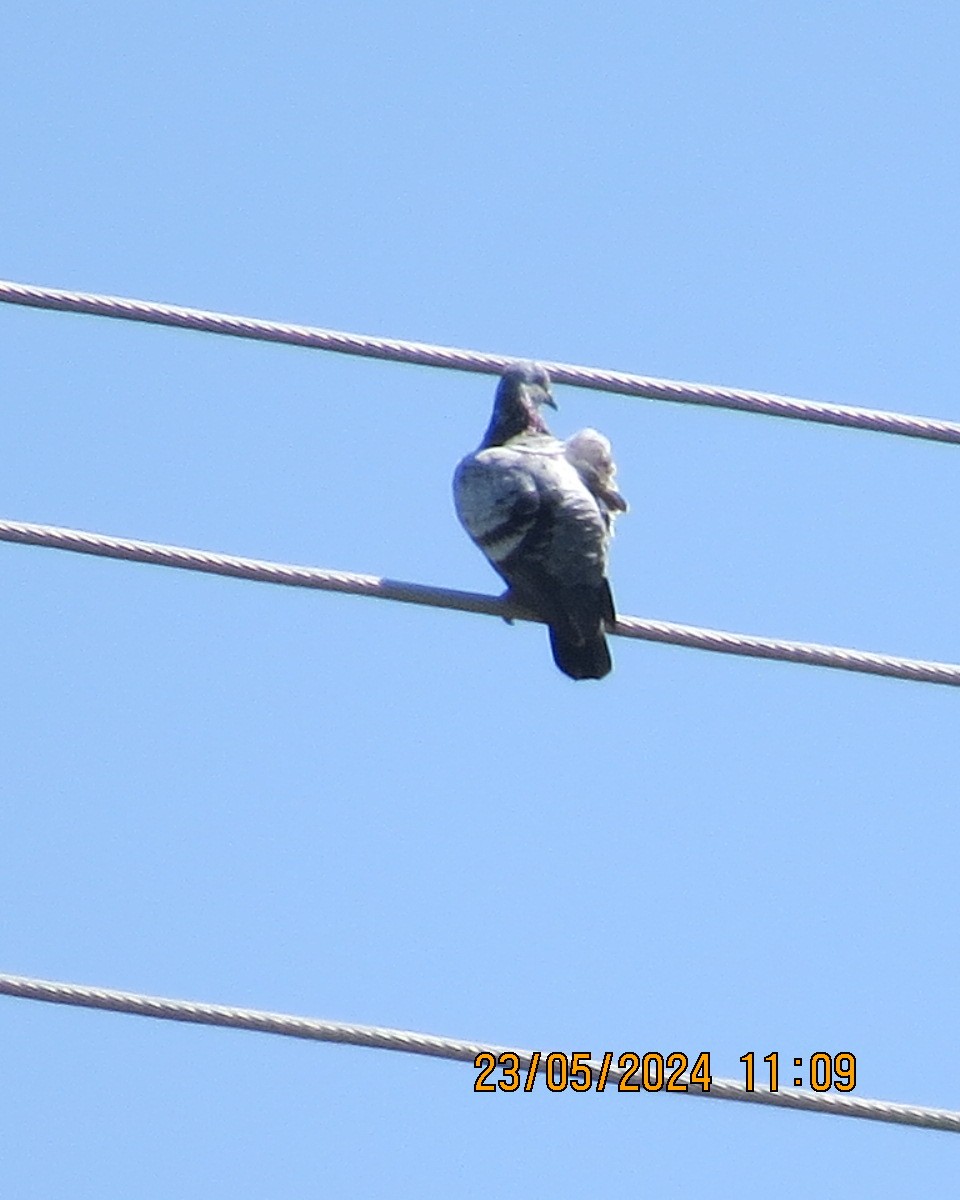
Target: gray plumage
[(541, 510)]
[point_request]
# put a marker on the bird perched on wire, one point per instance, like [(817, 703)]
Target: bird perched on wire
[(542, 510)]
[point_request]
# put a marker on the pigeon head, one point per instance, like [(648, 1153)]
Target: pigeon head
[(523, 390)]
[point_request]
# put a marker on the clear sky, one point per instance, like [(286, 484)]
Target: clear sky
[(377, 813)]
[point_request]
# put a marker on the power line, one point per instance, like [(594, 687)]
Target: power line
[(210, 562), (449, 357), (213, 563), (409, 1042)]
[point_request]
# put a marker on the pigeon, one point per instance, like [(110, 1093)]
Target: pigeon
[(542, 512)]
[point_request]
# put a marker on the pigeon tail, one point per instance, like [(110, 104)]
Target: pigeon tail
[(577, 640), (578, 659)]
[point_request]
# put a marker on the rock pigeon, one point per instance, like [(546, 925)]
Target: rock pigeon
[(541, 510)]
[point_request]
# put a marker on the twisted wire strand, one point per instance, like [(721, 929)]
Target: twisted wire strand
[(397, 350), (409, 1042), (691, 636)]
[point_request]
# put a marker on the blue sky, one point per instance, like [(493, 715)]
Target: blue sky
[(384, 814)]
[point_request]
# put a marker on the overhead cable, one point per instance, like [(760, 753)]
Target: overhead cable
[(409, 1042), (423, 354), (213, 563)]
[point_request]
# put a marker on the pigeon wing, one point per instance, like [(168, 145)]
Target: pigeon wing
[(590, 453), (497, 501)]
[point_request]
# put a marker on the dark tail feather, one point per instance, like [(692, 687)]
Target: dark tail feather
[(581, 660)]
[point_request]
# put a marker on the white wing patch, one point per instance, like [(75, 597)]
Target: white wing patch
[(591, 454)]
